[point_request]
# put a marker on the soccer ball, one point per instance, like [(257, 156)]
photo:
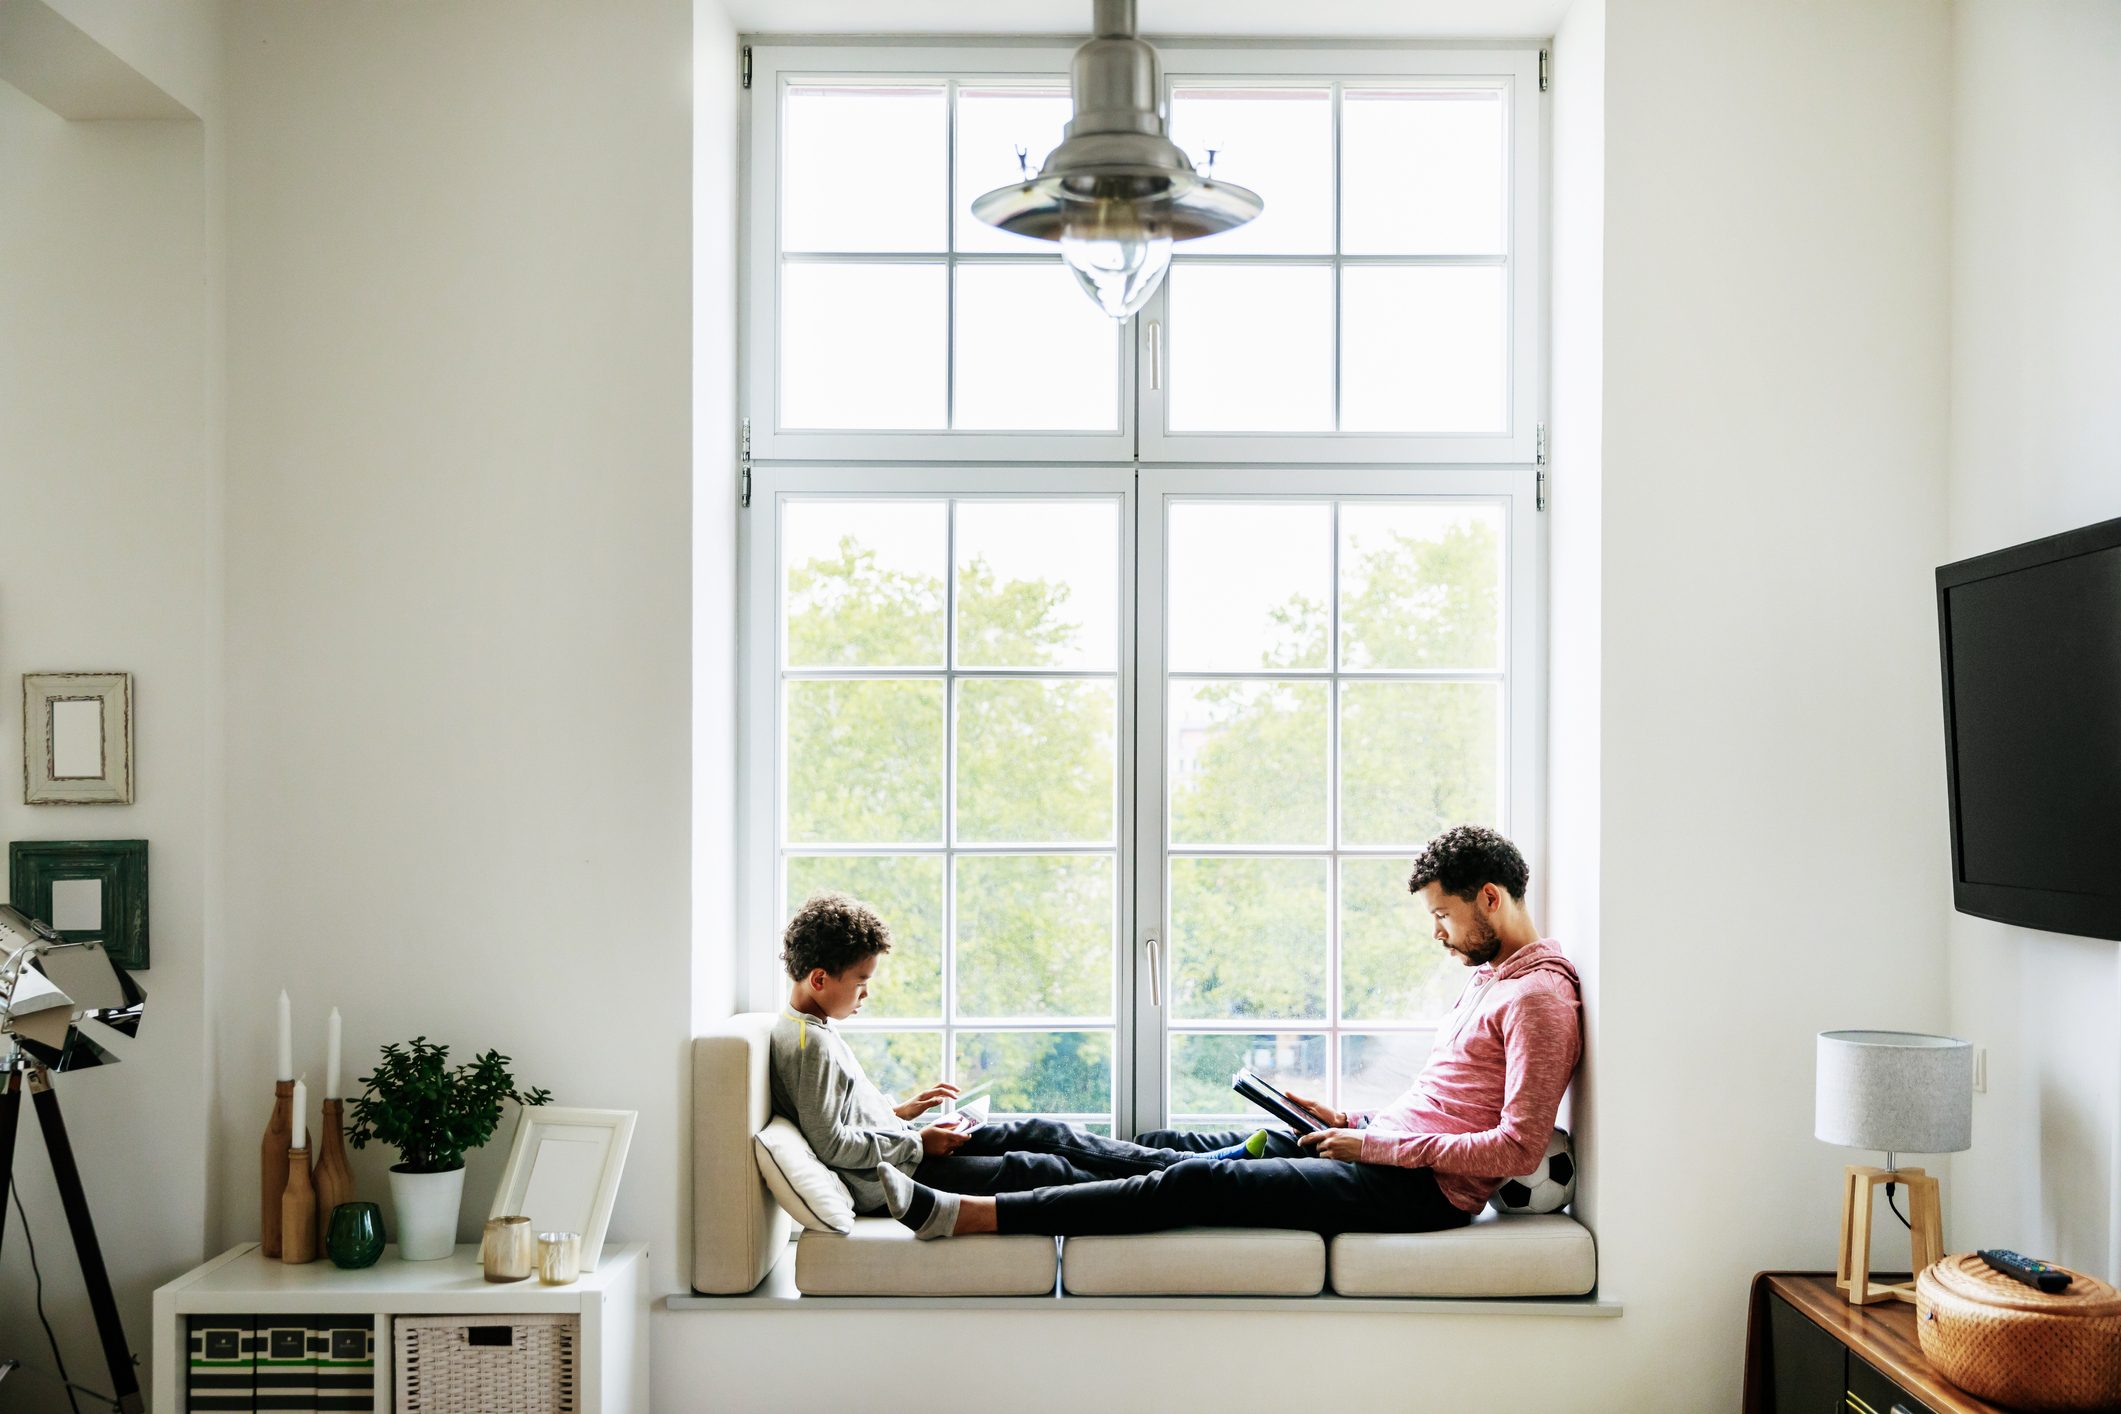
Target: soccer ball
[(1546, 1189)]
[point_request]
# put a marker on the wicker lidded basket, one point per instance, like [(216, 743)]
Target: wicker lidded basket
[(2008, 1343)]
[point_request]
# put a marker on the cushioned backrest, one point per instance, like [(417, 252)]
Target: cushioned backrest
[(738, 1231)]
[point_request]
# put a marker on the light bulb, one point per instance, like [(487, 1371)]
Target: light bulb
[(1118, 259)]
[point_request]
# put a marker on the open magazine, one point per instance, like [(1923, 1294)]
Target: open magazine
[(1274, 1102)]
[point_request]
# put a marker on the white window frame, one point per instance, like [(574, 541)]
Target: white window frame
[(1142, 404)]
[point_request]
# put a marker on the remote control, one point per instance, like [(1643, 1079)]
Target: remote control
[(2038, 1275)]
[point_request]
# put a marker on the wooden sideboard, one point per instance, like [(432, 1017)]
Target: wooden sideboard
[(1807, 1351)]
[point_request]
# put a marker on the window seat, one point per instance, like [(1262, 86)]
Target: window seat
[(740, 1233)]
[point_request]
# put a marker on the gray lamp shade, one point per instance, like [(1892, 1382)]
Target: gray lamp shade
[(1896, 1091)]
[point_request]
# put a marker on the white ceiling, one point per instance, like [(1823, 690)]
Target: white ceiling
[(1326, 19)]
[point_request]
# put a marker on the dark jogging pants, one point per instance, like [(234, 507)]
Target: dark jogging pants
[(1322, 1195), (1009, 1156)]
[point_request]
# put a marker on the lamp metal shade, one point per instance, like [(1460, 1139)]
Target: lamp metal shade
[(1896, 1091)]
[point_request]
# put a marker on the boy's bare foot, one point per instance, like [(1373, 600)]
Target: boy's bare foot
[(974, 1215)]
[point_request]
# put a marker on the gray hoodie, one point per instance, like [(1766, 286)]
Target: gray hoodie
[(819, 1083)]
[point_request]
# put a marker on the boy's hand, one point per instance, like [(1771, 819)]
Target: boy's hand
[(1333, 1117), (941, 1140), (927, 1100), (1333, 1143)]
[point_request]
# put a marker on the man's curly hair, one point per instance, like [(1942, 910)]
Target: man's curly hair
[(1464, 858), (832, 931)]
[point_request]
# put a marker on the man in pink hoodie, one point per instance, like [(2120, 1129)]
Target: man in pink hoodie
[(1480, 1111)]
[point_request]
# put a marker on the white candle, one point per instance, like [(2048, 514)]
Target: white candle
[(299, 1140), (331, 1058), (284, 1058)]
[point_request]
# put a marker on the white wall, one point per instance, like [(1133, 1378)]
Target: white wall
[(459, 559), (107, 352), (2036, 340)]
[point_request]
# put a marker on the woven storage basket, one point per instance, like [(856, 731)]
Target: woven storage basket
[(487, 1364), (2004, 1341)]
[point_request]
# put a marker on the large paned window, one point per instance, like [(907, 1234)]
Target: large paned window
[(1122, 667)]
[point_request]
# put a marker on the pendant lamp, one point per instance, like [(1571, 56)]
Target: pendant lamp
[(1117, 192)]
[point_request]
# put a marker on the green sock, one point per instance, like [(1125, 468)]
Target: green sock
[(1257, 1144)]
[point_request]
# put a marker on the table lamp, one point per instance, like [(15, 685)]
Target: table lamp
[(1902, 1093)]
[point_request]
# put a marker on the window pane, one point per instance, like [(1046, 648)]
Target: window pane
[(865, 762), (1248, 586), (1251, 348), (1039, 1072), (992, 123), (1032, 354), (1376, 1070), (1422, 172), (862, 346), (1417, 758), (1034, 935), (902, 1063), (907, 893), (1420, 586), (1038, 584), (1248, 938), (862, 169), (864, 586), (1278, 142), (1391, 966), (1248, 762), (1424, 348), (1202, 1066), (1036, 761)]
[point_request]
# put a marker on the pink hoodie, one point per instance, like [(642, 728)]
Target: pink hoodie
[(1483, 1107)]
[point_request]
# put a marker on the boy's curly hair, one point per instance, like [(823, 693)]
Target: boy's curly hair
[(1464, 858), (832, 931)]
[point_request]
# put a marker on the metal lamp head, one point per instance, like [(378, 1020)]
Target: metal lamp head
[(49, 985), (1117, 191)]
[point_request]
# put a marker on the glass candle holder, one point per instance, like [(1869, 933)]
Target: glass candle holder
[(353, 1238), (559, 1257), (507, 1249)]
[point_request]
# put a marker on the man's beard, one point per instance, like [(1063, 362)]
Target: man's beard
[(1482, 946)]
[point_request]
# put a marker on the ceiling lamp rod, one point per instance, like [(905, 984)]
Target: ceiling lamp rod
[(1117, 192)]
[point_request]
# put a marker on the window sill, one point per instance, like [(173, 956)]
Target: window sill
[(777, 1293)]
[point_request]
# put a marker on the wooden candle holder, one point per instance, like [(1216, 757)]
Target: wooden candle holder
[(272, 1166), (333, 1176), (298, 1211)]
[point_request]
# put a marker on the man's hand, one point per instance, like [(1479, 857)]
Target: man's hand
[(1332, 1117), (1333, 1143), (940, 1140), (927, 1100)]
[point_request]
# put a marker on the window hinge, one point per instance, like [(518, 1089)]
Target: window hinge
[(744, 463), (1546, 69), (747, 69), (1539, 460)]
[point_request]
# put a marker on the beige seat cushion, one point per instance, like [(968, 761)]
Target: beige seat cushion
[(1546, 1254), (1196, 1261), (882, 1258)]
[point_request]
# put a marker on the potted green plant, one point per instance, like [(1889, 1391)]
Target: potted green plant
[(432, 1114)]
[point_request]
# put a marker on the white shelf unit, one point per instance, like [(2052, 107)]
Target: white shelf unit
[(611, 1302)]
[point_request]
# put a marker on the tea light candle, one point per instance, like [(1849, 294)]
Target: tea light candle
[(559, 1257)]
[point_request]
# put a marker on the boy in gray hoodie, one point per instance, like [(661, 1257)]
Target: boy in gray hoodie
[(832, 949)]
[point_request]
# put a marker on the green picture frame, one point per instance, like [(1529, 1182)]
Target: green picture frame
[(120, 866)]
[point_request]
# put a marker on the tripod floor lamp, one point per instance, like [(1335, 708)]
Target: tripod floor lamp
[(48, 988)]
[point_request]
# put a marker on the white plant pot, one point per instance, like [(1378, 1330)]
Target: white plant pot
[(425, 1206)]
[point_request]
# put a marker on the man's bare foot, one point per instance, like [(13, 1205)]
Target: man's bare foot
[(974, 1215)]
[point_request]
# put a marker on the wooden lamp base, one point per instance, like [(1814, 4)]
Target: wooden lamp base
[(1859, 1194)]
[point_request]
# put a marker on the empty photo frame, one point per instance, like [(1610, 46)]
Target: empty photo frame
[(77, 738), (563, 1172), (85, 889)]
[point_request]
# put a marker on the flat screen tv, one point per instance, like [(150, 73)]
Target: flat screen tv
[(2032, 729)]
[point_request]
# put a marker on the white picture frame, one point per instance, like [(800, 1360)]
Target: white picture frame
[(77, 739), (563, 1172)]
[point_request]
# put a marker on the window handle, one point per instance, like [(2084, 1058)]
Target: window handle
[(1156, 979), (1156, 377)]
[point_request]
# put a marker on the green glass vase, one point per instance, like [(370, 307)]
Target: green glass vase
[(355, 1236)]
